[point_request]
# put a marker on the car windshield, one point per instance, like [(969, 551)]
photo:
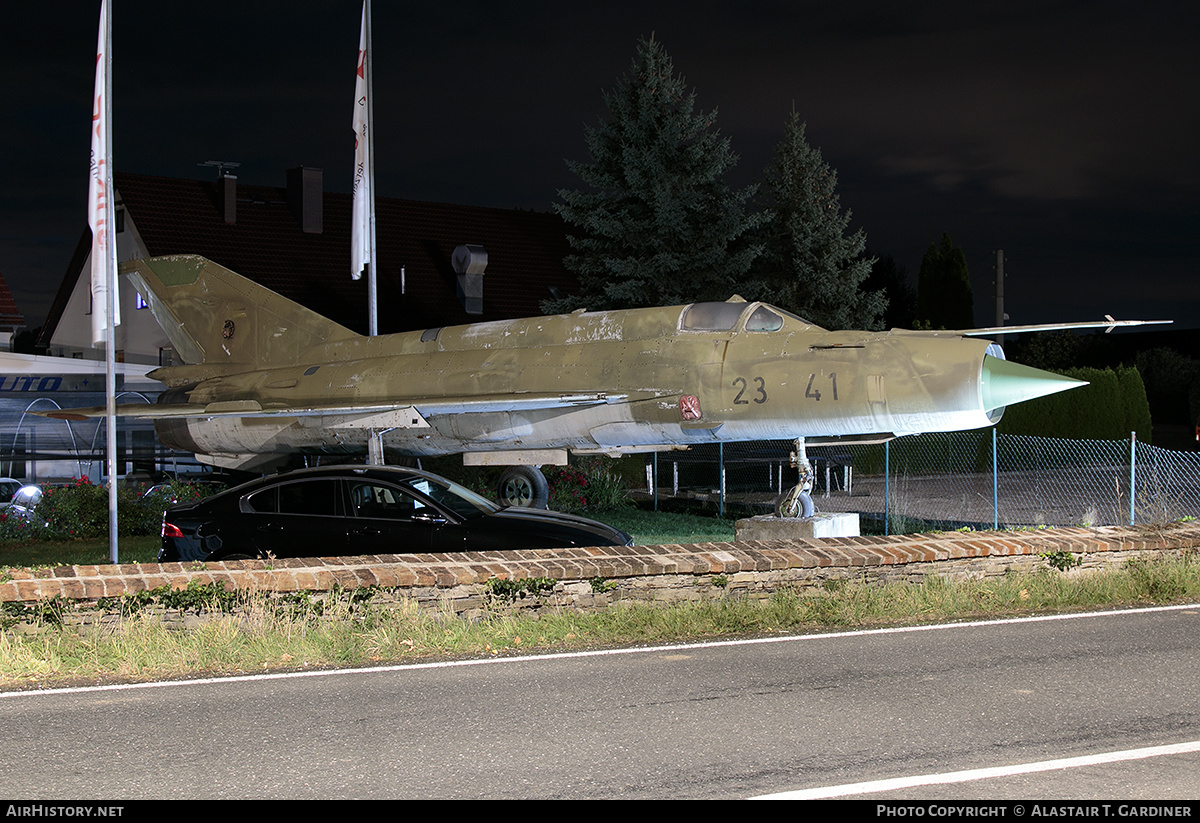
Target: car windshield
[(457, 499)]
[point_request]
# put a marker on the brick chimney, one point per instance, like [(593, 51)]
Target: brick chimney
[(227, 197), (305, 195)]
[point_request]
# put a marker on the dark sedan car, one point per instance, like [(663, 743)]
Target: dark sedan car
[(356, 510)]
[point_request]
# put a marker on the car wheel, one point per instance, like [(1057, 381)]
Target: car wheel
[(524, 486)]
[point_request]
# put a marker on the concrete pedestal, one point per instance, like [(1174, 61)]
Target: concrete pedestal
[(822, 524)]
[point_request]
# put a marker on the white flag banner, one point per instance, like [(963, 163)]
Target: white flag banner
[(360, 229), (100, 207)]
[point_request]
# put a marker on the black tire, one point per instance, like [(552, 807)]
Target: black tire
[(795, 503), (524, 486)]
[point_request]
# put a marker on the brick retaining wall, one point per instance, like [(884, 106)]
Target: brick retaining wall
[(592, 577)]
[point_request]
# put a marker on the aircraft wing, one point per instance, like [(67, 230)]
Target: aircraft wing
[(1108, 324), (377, 413)]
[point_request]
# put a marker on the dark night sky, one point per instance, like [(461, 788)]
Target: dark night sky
[(1066, 133)]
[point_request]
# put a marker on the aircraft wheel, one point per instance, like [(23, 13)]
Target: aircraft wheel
[(795, 503), (524, 486)]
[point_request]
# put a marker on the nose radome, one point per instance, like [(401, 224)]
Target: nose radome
[(1004, 383)]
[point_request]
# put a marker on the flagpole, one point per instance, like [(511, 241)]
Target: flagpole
[(362, 232), (101, 217), (372, 292), (110, 349)]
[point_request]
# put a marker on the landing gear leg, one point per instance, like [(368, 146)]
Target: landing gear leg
[(375, 447), (797, 501)]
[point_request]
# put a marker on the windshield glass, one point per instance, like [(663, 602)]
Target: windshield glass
[(787, 313), (456, 499), (763, 319)]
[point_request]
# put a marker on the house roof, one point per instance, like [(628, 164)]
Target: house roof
[(267, 244)]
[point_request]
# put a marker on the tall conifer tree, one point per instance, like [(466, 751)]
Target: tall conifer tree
[(811, 265), (658, 225), (944, 298)]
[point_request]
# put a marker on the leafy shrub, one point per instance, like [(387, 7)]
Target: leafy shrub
[(79, 511), (1111, 406), (590, 485)]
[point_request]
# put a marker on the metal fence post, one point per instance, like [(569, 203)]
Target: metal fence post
[(995, 484), (887, 479), (1132, 475), (721, 493), (654, 474)]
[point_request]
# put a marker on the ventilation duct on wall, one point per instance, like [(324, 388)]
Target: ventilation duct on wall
[(469, 263)]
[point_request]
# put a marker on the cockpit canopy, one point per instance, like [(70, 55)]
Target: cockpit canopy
[(725, 316)]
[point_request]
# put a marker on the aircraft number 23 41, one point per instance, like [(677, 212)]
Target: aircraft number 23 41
[(755, 389)]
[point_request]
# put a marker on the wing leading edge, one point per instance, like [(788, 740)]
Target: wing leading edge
[(423, 407)]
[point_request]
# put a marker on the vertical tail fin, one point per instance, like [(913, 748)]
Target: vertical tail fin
[(218, 318)]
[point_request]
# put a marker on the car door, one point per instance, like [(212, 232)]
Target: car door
[(390, 519), (297, 518)]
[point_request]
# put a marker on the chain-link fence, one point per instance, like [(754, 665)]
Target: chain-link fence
[(980, 479)]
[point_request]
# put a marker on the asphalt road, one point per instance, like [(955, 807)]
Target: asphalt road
[(729, 720)]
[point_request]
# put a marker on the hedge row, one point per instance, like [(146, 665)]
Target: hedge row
[(79, 511), (1112, 405)]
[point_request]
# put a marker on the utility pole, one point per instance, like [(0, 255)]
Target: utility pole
[(1000, 315)]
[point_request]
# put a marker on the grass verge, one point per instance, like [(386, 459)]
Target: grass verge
[(255, 633)]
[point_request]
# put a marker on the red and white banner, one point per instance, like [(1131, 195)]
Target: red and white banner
[(360, 227), (100, 194)]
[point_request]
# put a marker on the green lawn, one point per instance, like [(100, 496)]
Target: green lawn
[(651, 528), (78, 552)]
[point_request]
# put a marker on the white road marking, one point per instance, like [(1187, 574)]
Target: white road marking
[(873, 786), (448, 664)]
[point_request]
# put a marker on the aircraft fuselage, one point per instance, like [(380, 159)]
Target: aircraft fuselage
[(268, 379), (633, 380)]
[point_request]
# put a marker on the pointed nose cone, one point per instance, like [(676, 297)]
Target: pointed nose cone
[(1005, 383)]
